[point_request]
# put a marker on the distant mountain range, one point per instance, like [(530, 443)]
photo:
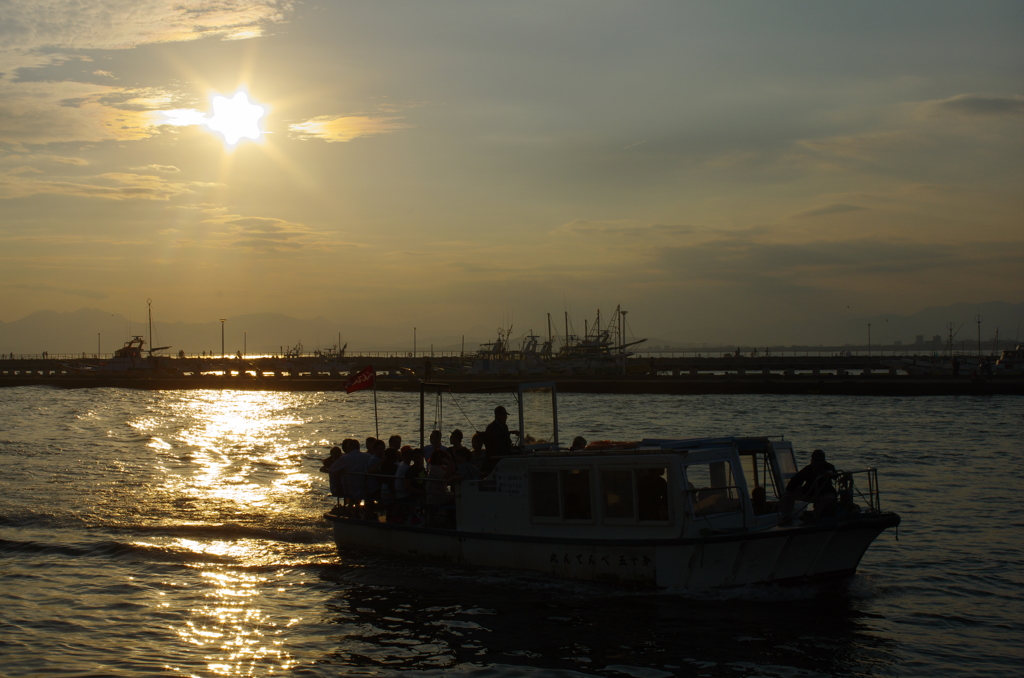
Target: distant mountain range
[(92, 330)]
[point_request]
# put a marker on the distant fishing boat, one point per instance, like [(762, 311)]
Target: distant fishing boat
[(602, 347), (672, 513), (1011, 361)]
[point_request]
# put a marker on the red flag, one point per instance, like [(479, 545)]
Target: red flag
[(360, 380)]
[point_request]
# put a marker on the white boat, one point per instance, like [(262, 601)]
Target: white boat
[(1011, 361), (922, 366), (663, 513)]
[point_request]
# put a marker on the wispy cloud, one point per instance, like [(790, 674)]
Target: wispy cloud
[(72, 292), (166, 169), (835, 208), (752, 264), (345, 128), (264, 234), (978, 105), (53, 112), (36, 31), (109, 186), (869, 146), (586, 227)]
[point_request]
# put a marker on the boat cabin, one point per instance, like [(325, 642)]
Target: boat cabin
[(662, 489)]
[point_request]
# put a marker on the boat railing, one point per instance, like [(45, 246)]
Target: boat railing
[(849, 490), (361, 494)]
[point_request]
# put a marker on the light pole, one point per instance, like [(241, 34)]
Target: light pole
[(622, 338), (869, 340), (978, 319), (414, 342), (98, 351), (222, 337), (245, 343)]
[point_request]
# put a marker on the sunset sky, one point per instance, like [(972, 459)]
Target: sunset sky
[(710, 166)]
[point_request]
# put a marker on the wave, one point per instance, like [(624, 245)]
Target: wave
[(289, 535), (105, 549)]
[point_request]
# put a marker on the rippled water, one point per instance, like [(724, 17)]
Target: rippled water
[(179, 533)]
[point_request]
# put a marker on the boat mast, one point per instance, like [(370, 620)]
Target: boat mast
[(149, 309)]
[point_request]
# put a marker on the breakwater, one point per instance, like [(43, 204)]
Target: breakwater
[(827, 375)]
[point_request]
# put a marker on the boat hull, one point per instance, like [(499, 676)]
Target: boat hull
[(783, 555)]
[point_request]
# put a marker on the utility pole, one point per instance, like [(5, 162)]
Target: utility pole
[(245, 343), (622, 338), (222, 337), (869, 340), (978, 319), (98, 351)]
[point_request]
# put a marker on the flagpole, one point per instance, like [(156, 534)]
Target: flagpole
[(376, 423)]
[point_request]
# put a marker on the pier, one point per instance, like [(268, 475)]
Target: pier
[(664, 374)]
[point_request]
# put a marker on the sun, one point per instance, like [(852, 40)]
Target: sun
[(236, 118)]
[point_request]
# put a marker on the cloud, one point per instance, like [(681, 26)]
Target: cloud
[(345, 128), (167, 169), (42, 157), (29, 28), (119, 186), (89, 294), (752, 264), (69, 161), (258, 224), (265, 234), (52, 112), (835, 208), (868, 146), (585, 227), (978, 105)]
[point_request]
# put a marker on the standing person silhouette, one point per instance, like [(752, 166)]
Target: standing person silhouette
[(497, 437)]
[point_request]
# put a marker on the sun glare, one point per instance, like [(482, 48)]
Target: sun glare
[(236, 118)]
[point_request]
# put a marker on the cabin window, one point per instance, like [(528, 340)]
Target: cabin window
[(712, 488), (544, 494), (757, 469), (575, 494), (640, 494), (562, 494), (760, 476), (618, 494), (787, 462)]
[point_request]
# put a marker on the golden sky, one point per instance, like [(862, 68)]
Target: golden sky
[(712, 167)]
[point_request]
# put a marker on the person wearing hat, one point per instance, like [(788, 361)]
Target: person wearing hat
[(497, 437), (813, 484)]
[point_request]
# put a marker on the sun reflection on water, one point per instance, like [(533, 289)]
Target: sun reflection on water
[(238, 450), (238, 639), (237, 495)]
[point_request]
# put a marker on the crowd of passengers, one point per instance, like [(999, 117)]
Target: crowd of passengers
[(403, 483), (413, 485)]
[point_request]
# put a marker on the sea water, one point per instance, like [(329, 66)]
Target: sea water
[(180, 533)]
